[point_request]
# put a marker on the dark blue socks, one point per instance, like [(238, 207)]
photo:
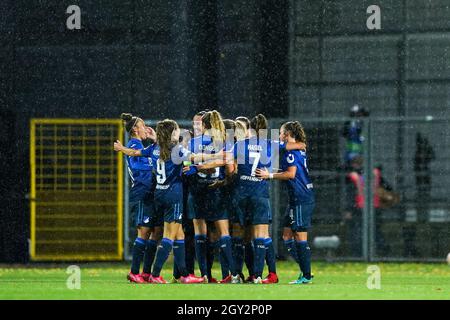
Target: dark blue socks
[(249, 257), (227, 253), (238, 254), (270, 255), (210, 254), (292, 250), (200, 252), (304, 254), (149, 255), (179, 256), (260, 254), (161, 255), (138, 254)]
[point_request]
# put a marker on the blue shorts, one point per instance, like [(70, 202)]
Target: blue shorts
[(253, 210), (298, 217), (143, 214), (208, 206), (171, 209)]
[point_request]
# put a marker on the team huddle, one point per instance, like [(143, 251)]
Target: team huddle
[(217, 180)]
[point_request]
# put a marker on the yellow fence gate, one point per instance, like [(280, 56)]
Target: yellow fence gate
[(76, 190)]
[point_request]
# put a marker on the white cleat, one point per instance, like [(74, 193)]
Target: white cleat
[(236, 279), (257, 280)]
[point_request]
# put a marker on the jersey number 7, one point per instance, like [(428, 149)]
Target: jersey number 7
[(256, 156)]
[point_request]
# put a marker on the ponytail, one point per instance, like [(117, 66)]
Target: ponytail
[(241, 130), (130, 121), (295, 130), (164, 130), (258, 123), (212, 121), (245, 121)]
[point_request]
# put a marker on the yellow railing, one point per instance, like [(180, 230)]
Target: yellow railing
[(76, 190)]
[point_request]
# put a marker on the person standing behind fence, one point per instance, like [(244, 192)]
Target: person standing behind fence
[(355, 202), (352, 132), (423, 156)]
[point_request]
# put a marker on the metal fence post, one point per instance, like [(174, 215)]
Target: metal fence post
[(367, 174), (126, 209)]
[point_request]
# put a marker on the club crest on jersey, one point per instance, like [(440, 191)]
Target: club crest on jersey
[(290, 158)]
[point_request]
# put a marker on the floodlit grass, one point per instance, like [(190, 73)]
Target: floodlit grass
[(332, 281)]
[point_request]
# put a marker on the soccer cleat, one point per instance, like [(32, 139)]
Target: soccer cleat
[(136, 278), (147, 277), (302, 280), (257, 280), (212, 280), (205, 279), (158, 280), (236, 279), (191, 279), (271, 278), (174, 280), (227, 279), (250, 279)]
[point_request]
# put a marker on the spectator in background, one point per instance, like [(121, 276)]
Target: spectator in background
[(423, 156), (355, 202), (352, 132)]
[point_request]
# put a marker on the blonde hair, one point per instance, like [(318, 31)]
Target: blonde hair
[(240, 131), (213, 122)]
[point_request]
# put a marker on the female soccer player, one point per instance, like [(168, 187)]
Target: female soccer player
[(141, 202), (252, 194), (206, 200), (301, 198), (168, 157)]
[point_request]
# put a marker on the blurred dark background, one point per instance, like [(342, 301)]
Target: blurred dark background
[(153, 58), (305, 59)]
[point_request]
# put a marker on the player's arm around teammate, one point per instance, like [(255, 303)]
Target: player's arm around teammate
[(141, 202), (301, 199)]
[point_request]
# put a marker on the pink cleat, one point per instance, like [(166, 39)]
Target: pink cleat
[(191, 279), (158, 280), (136, 278), (227, 279), (147, 277)]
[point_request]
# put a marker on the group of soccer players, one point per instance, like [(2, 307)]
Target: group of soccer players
[(220, 174)]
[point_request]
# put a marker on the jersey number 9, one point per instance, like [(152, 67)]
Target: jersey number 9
[(161, 171)]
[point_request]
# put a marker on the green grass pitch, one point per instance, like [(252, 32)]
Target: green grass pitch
[(332, 281)]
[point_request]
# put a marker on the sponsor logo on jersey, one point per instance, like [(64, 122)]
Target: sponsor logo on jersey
[(254, 147), (250, 178)]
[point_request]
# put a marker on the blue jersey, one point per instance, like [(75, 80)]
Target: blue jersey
[(300, 189), (252, 153), (198, 181), (169, 172), (140, 171)]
